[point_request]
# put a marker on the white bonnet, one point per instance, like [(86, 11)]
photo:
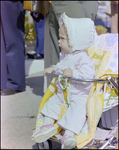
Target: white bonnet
[(81, 32)]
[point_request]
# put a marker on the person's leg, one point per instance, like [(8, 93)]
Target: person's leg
[(36, 30), (3, 61), (39, 46), (51, 111), (71, 121), (12, 15), (114, 18), (40, 36), (53, 106)]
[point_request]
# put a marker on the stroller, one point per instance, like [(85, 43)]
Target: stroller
[(97, 131)]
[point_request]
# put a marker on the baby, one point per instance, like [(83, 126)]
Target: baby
[(76, 35)]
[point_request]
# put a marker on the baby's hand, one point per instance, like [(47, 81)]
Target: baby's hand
[(67, 73), (49, 70)]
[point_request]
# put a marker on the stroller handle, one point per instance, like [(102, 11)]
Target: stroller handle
[(81, 80)]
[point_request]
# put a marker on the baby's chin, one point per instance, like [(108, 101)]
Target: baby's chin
[(67, 52)]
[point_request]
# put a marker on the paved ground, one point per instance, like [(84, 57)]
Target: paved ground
[(18, 115)]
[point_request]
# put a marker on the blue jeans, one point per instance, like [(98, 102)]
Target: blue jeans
[(12, 45), (40, 28)]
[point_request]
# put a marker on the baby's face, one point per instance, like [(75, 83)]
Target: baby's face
[(64, 41)]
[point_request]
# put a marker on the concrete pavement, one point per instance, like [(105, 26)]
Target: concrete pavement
[(18, 114), (19, 111)]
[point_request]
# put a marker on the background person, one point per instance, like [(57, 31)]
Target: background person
[(12, 47), (39, 25)]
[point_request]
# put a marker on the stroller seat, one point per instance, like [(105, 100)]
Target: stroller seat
[(103, 95)]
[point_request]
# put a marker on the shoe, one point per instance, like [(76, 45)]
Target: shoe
[(8, 91), (35, 56), (44, 133), (40, 56), (31, 56), (68, 142)]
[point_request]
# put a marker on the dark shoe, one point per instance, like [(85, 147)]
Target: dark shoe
[(8, 91), (35, 56), (31, 56), (39, 57)]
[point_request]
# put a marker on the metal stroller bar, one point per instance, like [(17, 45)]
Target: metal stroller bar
[(81, 80), (90, 80)]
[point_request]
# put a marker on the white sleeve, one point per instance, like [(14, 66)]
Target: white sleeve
[(84, 69)]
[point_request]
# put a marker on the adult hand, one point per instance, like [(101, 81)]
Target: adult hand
[(67, 73)]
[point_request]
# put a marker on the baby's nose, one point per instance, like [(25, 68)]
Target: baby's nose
[(59, 41)]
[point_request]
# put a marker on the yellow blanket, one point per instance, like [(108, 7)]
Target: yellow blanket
[(95, 100)]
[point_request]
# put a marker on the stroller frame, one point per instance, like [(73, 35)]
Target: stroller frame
[(110, 143)]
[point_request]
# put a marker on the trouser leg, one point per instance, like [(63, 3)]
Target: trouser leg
[(12, 16), (114, 18), (3, 61), (40, 27), (53, 106)]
